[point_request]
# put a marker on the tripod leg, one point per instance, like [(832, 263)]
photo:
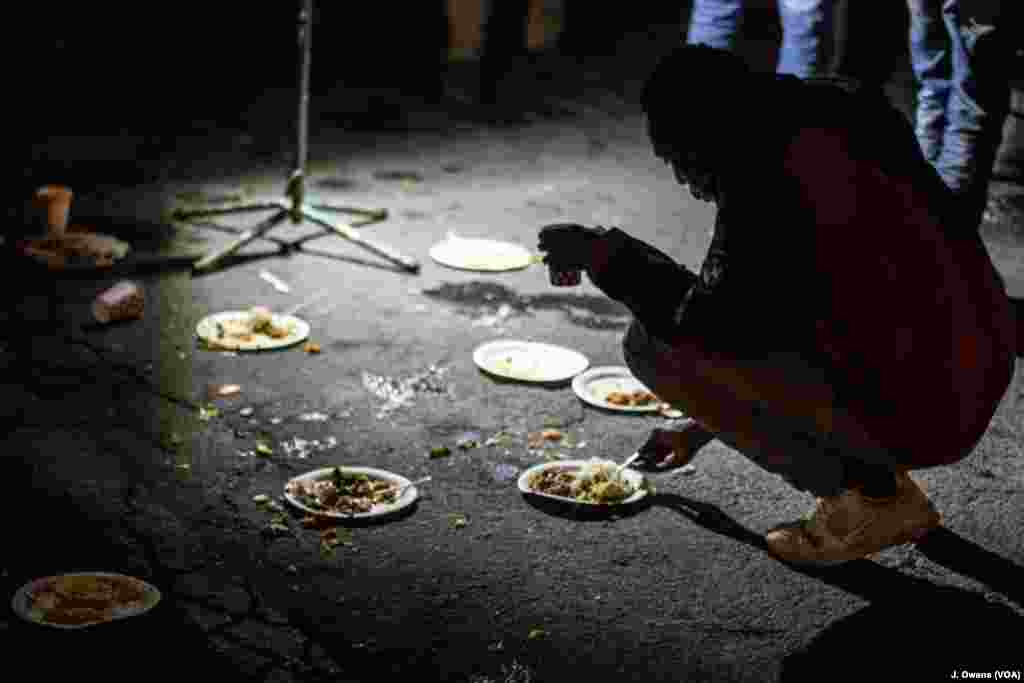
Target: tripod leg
[(352, 235), (244, 238), (370, 215), (183, 214)]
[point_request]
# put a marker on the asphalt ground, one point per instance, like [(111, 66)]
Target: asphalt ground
[(120, 459)]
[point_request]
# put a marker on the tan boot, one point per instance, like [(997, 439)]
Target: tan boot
[(851, 526)]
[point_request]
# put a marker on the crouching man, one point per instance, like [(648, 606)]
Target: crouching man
[(845, 326)]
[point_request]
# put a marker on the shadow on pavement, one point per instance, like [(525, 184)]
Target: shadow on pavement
[(587, 513), (286, 249), (957, 554), (710, 517), (583, 310), (912, 627)]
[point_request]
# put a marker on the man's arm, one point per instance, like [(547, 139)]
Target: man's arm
[(667, 298), (647, 281)]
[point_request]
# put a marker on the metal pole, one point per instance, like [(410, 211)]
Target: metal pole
[(305, 42)]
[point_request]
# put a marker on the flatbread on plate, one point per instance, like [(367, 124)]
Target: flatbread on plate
[(84, 599), (76, 250)]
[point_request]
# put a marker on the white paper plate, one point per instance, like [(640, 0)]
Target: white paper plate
[(207, 331), (23, 602), (637, 479), (595, 384), (529, 361), (407, 498), (480, 254)]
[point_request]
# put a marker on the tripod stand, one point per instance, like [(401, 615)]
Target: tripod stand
[(294, 206)]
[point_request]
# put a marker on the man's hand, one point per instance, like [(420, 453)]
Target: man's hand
[(667, 449), (569, 245)]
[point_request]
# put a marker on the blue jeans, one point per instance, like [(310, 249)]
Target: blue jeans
[(963, 98), (806, 30)]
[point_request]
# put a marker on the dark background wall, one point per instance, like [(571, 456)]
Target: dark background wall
[(128, 58)]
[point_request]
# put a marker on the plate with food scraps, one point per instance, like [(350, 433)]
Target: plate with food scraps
[(350, 493), (480, 254), (257, 329), (593, 482), (615, 388), (529, 361), (79, 600)]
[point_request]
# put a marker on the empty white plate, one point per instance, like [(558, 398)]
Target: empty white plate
[(529, 361)]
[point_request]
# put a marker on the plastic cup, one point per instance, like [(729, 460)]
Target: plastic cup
[(53, 203), (561, 277)]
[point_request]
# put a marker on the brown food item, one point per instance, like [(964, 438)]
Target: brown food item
[(312, 347), (631, 399), (641, 397), (618, 398), (553, 482), (123, 301)]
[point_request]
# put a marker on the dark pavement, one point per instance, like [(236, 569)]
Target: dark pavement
[(114, 461)]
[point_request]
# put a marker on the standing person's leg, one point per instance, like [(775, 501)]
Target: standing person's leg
[(931, 60), (978, 105), (807, 31), (867, 44), (504, 38), (716, 23)]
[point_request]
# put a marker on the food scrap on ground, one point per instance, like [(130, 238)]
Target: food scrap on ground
[(399, 393), (275, 282), (504, 472), (500, 439), (225, 390), (302, 448), (207, 413), (440, 452), (311, 348), (334, 536), (123, 301)]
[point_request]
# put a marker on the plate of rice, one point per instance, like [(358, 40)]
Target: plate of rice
[(591, 482)]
